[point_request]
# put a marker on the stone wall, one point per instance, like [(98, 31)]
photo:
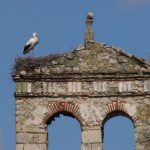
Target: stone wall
[(90, 84)]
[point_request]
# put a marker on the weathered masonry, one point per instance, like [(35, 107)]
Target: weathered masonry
[(92, 84)]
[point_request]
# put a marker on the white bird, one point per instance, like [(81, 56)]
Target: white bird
[(31, 43)]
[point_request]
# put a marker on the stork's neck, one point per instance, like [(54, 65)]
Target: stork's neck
[(36, 38)]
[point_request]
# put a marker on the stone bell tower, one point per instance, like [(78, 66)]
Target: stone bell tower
[(93, 83)]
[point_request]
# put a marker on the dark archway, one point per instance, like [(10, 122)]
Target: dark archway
[(118, 132), (64, 132)]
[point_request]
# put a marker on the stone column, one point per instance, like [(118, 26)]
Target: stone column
[(142, 137), (89, 34), (91, 138), (31, 140)]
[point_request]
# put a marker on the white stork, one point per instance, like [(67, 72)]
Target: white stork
[(31, 43)]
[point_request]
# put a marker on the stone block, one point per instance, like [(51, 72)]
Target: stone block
[(45, 87), (19, 146), (21, 138), (99, 86), (122, 59), (142, 134), (24, 87), (91, 136), (86, 146), (30, 138), (42, 138), (35, 147), (74, 86), (97, 146), (143, 146), (147, 85), (92, 146), (18, 127), (29, 87)]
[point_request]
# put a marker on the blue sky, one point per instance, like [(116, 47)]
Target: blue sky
[(61, 26)]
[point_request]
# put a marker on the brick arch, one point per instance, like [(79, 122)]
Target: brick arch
[(62, 106), (120, 108)]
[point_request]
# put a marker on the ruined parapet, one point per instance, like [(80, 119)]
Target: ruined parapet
[(92, 84)]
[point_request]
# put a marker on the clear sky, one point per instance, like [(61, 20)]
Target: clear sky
[(61, 26)]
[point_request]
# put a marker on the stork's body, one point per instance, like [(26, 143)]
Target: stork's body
[(31, 43)]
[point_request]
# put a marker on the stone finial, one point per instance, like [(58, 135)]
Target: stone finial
[(90, 16), (89, 34)]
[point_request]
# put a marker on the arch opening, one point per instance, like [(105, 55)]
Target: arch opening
[(64, 132), (58, 114), (115, 114), (64, 107), (118, 131)]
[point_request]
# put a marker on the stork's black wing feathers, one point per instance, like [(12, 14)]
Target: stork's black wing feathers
[(26, 49)]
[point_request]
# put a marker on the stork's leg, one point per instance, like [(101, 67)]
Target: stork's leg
[(32, 53)]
